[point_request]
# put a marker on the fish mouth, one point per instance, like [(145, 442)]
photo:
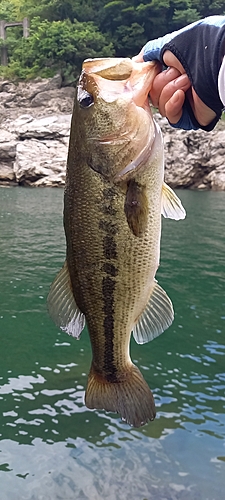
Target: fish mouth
[(125, 75)]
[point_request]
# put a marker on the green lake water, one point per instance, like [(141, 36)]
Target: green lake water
[(53, 447)]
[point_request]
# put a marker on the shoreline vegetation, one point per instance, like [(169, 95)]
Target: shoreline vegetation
[(60, 34)]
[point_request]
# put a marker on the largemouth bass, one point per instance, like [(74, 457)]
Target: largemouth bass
[(114, 198)]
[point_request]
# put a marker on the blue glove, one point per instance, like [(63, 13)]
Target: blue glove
[(199, 47)]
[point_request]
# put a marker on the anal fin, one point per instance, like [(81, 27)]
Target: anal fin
[(62, 306), (157, 316)]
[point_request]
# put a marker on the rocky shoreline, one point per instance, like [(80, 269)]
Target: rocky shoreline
[(34, 136)]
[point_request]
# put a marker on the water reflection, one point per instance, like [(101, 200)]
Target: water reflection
[(51, 445)]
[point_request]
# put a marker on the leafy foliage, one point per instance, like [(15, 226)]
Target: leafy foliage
[(56, 46), (64, 32)]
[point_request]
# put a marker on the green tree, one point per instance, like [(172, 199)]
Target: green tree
[(59, 10), (132, 23), (64, 32), (128, 39), (56, 46), (8, 11), (163, 16), (209, 7)]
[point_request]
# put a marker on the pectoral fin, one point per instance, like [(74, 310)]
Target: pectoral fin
[(62, 306), (157, 316), (136, 207), (172, 207)]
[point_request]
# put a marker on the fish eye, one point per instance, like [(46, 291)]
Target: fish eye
[(86, 100)]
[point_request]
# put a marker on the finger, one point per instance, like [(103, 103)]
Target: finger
[(159, 83), (171, 60), (173, 107), (181, 83)]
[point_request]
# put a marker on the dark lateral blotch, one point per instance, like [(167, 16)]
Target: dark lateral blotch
[(110, 269), (109, 247), (108, 227), (108, 288), (109, 193)]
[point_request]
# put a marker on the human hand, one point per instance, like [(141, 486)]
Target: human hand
[(173, 91), (168, 93)]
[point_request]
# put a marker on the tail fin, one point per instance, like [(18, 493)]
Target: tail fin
[(130, 397)]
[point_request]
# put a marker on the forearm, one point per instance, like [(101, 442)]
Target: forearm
[(221, 82)]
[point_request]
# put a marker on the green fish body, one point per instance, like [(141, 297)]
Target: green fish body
[(114, 198)]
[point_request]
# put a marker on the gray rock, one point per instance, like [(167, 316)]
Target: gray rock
[(6, 86), (46, 95), (54, 126), (51, 181), (34, 145), (43, 98), (40, 161), (8, 142), (216, 179), (194, 159), (6, 172)]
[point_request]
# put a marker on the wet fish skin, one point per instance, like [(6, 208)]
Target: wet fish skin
[(112, 216)]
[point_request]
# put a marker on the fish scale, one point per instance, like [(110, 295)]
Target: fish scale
[(133, 268)]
